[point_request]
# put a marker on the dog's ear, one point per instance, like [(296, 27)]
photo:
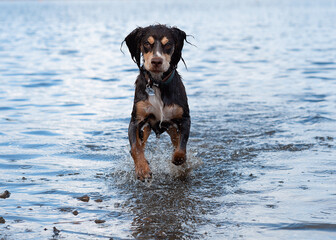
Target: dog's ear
[(179, 38), (133, 43)]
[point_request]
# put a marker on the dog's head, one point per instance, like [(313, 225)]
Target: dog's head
[(160, 46)]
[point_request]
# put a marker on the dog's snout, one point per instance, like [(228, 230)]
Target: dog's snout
[(157, 61)]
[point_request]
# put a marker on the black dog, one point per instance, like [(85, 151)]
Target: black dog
[(160, 101)]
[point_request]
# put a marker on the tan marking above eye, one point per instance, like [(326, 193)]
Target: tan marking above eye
[(151, 40), (164, 40)]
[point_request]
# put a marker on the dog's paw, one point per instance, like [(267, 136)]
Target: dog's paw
[(143, 174), (179, 157)]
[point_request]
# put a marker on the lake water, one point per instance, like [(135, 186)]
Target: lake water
[(262, 152)]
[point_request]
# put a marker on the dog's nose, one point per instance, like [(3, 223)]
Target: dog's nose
[(156, 61)]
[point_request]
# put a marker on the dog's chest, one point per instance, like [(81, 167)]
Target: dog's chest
[(161, 111)]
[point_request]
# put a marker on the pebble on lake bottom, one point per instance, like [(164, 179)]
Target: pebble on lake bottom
[(5, 194), (84, 198), (99, 221)]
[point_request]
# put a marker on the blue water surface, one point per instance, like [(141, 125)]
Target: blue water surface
[(261, 83)]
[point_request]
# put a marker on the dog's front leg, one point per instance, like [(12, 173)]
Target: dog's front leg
[(179, 137), (138, 134)]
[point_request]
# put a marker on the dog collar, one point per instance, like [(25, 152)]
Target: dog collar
[(152, 82), (169, 78)]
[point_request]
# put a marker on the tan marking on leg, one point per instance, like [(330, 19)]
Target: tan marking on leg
[(174, 136), (146, 133), (151, 40), (173, 111), (142, 169), (142, 110), (179, 156), (164, 40), (177, 111)]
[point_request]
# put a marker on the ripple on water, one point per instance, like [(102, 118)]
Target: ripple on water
[(105, 79), (71, 104), (311, 97), (31, 74), (15, 157), (83, 114), (321, 78), (309, 226), (323, 63), (42, 133), (309, 71), (94, 133), (37, 145), (39, 84), (315, 119), (14, 166), (19, 99), (131, 70), (6, 108), (68, 52), (94, 147)]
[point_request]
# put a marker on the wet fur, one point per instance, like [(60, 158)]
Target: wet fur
[(170, 98)]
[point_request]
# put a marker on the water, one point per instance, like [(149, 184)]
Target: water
[(261, 86)]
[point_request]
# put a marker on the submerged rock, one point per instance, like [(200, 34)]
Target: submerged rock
[(84, 198), (98, 221), (2, 220), (5, 194)]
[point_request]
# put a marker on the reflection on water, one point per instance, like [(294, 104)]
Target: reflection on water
[(261, 152)]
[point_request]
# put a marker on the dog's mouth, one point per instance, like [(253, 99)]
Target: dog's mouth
[(157, 75), (156, 70)]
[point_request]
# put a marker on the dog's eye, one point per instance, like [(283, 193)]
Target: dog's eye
[(168, 46), (147, 45)]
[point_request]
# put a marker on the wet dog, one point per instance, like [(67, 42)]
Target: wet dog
[(160, 101)]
